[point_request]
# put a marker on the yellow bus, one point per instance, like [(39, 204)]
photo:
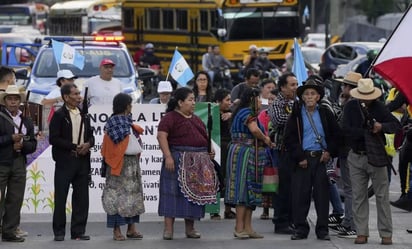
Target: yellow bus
[(192, 25), (84, 17)]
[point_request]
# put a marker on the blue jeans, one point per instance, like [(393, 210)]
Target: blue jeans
[(337, 207)]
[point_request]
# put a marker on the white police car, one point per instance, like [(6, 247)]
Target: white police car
[(94, 49)]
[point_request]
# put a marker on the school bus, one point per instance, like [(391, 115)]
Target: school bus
[(84, 17), (26, 14), (192, 25)]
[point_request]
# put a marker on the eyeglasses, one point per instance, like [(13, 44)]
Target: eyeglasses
[(201, 79)]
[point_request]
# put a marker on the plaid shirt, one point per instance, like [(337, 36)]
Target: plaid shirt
[(118, 127), (280, 110)]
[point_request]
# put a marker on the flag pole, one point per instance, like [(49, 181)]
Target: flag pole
[(168, 71), (387, 41)]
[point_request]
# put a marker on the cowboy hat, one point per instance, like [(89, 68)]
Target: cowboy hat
[(313, 85), (12, 90), (366, 90), (351, 78)]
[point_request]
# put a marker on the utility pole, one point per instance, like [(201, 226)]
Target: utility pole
[(313, 16)]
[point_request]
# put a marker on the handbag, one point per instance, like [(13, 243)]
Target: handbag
[(270, 183), (103, 168)]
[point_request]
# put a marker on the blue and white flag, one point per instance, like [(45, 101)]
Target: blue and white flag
[(299, 68), (180, 70), (65, 54)]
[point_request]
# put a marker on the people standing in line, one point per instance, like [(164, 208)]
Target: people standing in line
[(71, 138), (202, 87), (279, 113), (17, 139), (251, 80), (54, 98), (103, 87), (164, 89), (185, 188), (345, 225), (365, 118), (310, 137), (123, 192), (246, 159), (222, 98)]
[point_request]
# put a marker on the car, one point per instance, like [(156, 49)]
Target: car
[(94, 49), (316, 40), (343, 69), (312, 56), (342, 53)]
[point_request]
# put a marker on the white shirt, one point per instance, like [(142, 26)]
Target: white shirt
[(54, 94), (102, 91)]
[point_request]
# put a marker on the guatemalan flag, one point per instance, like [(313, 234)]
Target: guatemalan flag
[(394, 62), (298, 67), (66, 54), (179, 69)]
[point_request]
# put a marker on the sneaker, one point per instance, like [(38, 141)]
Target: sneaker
[(337, 228), (348, 234), (21, 233), (334, 219)]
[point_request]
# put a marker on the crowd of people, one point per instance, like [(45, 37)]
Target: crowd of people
[(263, 122)]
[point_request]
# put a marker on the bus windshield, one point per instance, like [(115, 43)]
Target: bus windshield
[(261, 23), (15, 16)]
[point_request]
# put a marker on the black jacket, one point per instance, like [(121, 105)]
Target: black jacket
[(61, 136), (294, 144), (7, 154), (354, 125)]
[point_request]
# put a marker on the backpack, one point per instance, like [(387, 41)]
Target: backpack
[(335, 108)]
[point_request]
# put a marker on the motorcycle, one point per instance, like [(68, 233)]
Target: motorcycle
[(222, 78)]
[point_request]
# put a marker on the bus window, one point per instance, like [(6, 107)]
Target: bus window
[(204, 20), (153, 19), (181, 19), (128, 17), (168, 22)]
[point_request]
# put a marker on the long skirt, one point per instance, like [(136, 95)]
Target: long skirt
[(172, 202), (123, 195), (243, 176)]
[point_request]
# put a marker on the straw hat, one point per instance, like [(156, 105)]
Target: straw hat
[(350, 78), (366, 90), (12, 90)]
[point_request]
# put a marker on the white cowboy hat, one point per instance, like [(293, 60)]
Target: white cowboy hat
[(366, 90), (351, 78), (12, 90)]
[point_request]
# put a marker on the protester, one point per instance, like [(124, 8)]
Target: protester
[(54, 98), (103, 87), (279, 113), (149, 59), (262, 62), (249, 60), (365, 118), (184, 197), (251, 80), (310, 137), (121, 151), (71, 138), (215, 63), (222, 98), (202, 87), (246, 159), (266, 96), (164, 89), (16, 141)]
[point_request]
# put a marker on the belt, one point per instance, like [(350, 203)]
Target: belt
[(360, 152), (313, 153)]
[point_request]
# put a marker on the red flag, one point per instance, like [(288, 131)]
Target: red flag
[(50, 114), (394, 62)]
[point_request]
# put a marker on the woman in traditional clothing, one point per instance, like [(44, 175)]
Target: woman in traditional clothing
[(246, 159), (188, 180), (123, 193)]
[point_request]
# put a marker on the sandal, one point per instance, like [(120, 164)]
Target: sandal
[(118, 237), (134, 235), (230, 215)]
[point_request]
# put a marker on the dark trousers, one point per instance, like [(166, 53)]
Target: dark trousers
[(74, 171), (403, 165), (12, 185), (308, 182), (282, 201)]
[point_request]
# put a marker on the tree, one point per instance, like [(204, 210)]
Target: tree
[(375, 8)]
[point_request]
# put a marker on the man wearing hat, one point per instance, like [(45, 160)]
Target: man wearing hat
[(310, 138), (16, 141), (103, 87), (262, 62), (363, 118), (149, 59), (54, 98), (164, 89), (249, 60)]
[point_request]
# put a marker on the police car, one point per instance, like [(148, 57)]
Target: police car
[(94, 49)]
